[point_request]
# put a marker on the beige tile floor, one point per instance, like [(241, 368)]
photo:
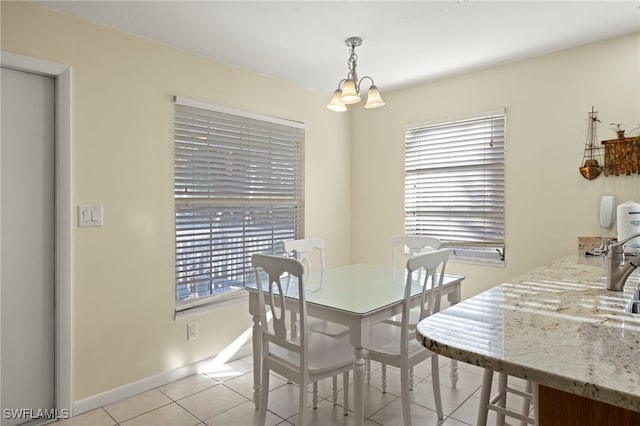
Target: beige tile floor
[(223, 396)]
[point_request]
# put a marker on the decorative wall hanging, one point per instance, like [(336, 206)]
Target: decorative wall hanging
[(622, 155), (592, 157)]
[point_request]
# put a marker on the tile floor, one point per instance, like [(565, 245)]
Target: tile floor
[(224, 397)]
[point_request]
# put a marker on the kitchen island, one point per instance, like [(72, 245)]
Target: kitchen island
[(559, 327)]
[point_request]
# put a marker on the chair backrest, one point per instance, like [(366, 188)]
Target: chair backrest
[(302, 250), (414, 244), (432, 265), (276, 331)]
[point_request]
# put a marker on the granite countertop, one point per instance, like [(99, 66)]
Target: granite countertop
[(556, 325)]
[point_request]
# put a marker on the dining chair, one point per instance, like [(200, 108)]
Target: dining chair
[(305, 357), (410, 245), (396, 344), (304, 250), (498, 402)]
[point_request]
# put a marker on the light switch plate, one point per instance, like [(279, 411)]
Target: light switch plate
[(89, 215), (192, 330)]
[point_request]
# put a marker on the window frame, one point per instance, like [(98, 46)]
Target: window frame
[(259, 180), (475, 249)]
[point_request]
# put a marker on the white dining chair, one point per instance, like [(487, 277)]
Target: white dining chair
[(396, 344), (304, 250), (498, 402), (412, 245), (303, 358), (408, 245)]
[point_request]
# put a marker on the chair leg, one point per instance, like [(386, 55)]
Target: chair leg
[(334, 390), (302, 402), (526, 402), (435, 381), (367, 371), (264, 394), (345, 386), (405, 396), (502, 398), (485, 394), (315, 395), (536, 404), (384, 378), (411, 379)]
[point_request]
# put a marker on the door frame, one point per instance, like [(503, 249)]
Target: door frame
[(63, 211)]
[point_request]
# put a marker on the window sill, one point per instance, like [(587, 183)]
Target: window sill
[(236, 297), (478, 262)]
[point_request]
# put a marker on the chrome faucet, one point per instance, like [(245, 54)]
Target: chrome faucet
[(617, 270)]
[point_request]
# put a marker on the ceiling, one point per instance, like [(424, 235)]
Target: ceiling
[(403, 42)]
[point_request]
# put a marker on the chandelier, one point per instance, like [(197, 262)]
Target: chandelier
[(348, 91)]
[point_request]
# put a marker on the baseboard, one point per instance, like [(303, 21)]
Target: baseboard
[(131, 389)]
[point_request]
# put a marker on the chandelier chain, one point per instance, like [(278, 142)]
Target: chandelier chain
[(352, 62)]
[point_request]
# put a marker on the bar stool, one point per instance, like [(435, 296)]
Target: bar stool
[(498, 402)]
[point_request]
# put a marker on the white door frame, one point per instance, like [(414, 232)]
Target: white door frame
[(63, 222)]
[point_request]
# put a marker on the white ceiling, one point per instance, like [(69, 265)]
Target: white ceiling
[(404, 42)]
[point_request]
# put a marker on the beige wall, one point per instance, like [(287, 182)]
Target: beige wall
[(122, 147), (123, 328), (548, 202)]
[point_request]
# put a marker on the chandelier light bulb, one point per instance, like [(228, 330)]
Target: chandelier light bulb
[(335, 104), (374, 100), (349, 93)]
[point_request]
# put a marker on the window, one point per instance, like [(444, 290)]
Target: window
[(238, 190), (454, 185)]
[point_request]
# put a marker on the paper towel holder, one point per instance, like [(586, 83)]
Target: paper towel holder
[(607, 210)]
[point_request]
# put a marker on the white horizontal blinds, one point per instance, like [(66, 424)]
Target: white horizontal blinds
[(454, 181), (238, 190)]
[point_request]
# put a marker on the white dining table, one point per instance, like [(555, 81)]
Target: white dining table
[(356, 296)]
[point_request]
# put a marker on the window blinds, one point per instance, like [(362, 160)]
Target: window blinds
[(239, 189), (454, 182)]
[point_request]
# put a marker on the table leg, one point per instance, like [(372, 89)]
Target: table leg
[(454, 373), (257, 359), (358, 385), (456, 295), (453, 298)]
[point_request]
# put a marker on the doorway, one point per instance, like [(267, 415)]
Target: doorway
[(63, 217), (27, 246)]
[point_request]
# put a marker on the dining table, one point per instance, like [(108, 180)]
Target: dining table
[(356, 296)]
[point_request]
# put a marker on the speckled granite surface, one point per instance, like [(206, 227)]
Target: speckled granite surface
[(557, 325)]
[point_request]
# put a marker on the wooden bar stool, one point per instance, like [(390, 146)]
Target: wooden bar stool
[(498, 402)]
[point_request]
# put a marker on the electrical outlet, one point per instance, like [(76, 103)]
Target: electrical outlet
[(192, 330)]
